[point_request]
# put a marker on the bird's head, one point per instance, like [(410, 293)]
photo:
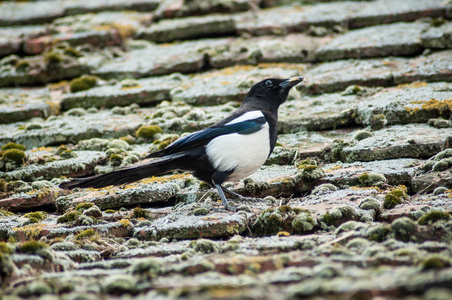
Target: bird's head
[(271, 91)]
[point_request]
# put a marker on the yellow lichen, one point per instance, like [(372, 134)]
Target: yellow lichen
[(31, 231), (333, 169), (124, 222)]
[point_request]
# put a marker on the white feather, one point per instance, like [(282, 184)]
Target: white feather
[(245, 153), (251, 115)]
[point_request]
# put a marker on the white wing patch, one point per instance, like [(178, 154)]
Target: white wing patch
[(245, 153), (251, 115)]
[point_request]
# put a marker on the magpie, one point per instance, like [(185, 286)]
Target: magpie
[(229, 150)]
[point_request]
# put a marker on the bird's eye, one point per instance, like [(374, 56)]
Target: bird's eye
[(268, 83)]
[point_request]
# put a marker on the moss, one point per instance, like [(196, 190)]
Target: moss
[(138, 212), (53, 58), (200, 211), (69, 51), (309, 173), (304, 222), (327, 219), (31, 247), (3, 186), (394, 197), (404, 228), (70, 216), (149, 267), (379, 232), (12, 145), (85, 234), (115, 159), (377, 121), (110, 211), (433, 216), (434, 262), (205, 246), (148, 132), (371, 179), (204, 186), (36, 216), (83, 83), (15, 155), (285, 209), (163, 145), (23, 66), (83, 206), (370, 203), (5, 213), (68, 154)]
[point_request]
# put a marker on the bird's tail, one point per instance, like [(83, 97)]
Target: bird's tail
[(127, 174)]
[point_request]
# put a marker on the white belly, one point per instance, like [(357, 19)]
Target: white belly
[(244, 153)]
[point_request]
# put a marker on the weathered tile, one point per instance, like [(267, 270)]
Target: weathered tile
[(178, 225), (12, 38), (25, 13), (398, 39), (89, 6), (328, 111), (71, 129), (390, 11), (409, 141), (293, 48), (282, 20), (338, 75), (144, 92), (397, 171), (188, 28), (230, 84), (20, 104), (438, 37), (412, 103), (169, 9), (98, 30), (81, 165), (160, 59), (433, 67)]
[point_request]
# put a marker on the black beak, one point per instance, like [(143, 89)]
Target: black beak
[(291, 82)]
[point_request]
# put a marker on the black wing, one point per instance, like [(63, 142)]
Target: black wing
[(203, 137)]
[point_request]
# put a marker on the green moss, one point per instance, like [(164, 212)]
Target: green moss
[(404, 228), (53, 58), (16, 155), (72, 52), (83, 206), (200, 211), (327, 219), (395, 197), (5, 213), (83, 83), (434, 262), (138, 212), (371, 179), (3, 186), (22, 66), (116, 159), (304, 222), (285, 209), (377, 121), (110, 211), (31, 247), (308, 168), (68, 154), (204, 186), (36, 216), (433, 216), (148, 131), (12, 145), (164, 144), (70, 216), (85, 234)]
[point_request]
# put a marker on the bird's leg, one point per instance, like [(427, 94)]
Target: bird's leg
[(223, 198), (237, 195)]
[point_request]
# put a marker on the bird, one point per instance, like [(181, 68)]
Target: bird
[(229, 150)]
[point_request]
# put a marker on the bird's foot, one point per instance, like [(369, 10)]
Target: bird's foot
[(239, 197)]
